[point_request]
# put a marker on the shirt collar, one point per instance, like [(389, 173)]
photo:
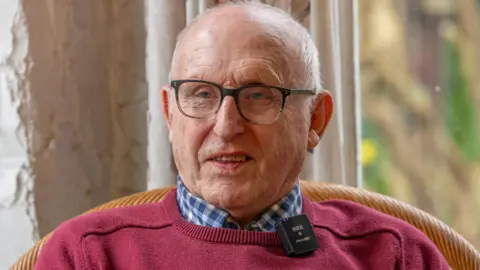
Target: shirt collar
[(200, 212)]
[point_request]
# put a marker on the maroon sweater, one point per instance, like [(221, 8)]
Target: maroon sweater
[(155, 236)]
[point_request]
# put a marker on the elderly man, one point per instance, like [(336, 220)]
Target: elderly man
[(243, 106)]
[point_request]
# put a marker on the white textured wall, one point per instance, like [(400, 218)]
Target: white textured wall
[(88, 104), (73, 128), (18, 229)]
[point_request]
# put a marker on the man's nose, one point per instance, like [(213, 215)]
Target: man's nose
[(229, 122)]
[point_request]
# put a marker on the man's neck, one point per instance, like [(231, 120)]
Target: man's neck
[(200, 212)]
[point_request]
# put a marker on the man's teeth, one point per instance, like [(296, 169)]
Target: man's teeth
[(231, 158)]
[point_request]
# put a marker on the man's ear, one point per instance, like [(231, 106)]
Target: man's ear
[(321, 115), (166, 110)]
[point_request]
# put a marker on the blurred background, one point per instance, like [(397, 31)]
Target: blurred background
[(80, 115), (420, 81)]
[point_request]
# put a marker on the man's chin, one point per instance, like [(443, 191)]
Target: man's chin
[(230, 195)]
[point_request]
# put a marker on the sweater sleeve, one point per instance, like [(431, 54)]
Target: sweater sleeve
[(62, 250), (421, 253)]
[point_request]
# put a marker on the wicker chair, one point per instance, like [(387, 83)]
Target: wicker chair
[(459, 253)]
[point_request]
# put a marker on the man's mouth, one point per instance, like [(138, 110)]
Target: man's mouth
[(231, 158), (230, 162)]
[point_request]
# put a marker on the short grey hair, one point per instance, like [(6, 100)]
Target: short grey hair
[(287, 28)]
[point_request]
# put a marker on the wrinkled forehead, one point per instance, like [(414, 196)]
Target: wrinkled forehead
[(225, 44)]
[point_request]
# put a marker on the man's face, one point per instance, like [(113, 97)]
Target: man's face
[(233, 54)]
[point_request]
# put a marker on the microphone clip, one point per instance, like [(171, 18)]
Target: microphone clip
[(297, 235)]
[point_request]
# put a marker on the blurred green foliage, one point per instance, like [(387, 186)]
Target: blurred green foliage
[(374, 173), (459, 113), (461, 122)]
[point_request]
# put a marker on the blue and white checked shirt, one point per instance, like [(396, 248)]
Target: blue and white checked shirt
[(200, 212)]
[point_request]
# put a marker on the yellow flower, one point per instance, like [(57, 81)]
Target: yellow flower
[(369, 151)]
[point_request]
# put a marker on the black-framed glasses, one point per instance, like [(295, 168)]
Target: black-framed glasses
[(260, 104)]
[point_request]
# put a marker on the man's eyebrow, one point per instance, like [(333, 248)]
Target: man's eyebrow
[(253, 83), (259, 75), (259, 81)]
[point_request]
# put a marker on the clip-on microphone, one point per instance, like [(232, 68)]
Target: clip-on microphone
[(297, 235)]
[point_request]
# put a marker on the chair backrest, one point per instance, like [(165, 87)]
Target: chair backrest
[(458, 252)]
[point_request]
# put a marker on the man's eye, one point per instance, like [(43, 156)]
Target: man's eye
[(257, 95), (204, 94)]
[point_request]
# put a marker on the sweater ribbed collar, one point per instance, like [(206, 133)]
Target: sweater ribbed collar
[(222, 235)]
